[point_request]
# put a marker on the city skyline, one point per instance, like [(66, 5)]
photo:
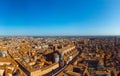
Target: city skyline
[(59, 18)]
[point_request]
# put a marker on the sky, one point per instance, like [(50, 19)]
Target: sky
[(59, 17)]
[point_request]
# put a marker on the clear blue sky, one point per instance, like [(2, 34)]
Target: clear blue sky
[(59, 17)]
